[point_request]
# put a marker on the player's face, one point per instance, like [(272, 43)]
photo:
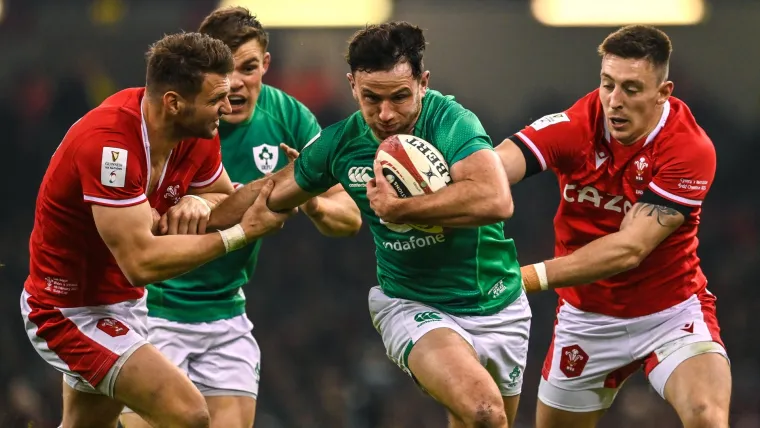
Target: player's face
[(200, 118), (632, 93), (251, 62), (390, 101)]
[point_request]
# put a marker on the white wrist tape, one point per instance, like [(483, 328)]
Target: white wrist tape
[(205, 202), (233, 238), (543, 281)]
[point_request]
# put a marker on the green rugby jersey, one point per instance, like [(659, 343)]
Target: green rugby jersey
[(249, 150), (466, 271)]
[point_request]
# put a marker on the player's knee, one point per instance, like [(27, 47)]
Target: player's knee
[(485, 413), (703, 414)]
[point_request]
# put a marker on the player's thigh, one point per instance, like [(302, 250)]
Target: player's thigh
[(699, 389), (231, 411), (446, 366), (228, 369), (154, 388), (88, 410), (550, 417), (501, 343), (588, 361)]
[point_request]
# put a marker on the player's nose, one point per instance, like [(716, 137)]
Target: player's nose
[(236, 81), (226, 107), (386, 111), (616, 98)]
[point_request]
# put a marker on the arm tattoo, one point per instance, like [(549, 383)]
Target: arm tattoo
[(666, 216)]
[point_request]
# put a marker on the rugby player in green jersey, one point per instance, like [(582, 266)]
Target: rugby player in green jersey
[(449, 306)]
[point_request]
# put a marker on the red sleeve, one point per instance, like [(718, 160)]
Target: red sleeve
[(553, 138), (210, 163), (687, 171), (110, 174)]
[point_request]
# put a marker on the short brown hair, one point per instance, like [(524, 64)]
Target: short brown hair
[(234, 26), (381, 47), (637, 42), (179, 62)]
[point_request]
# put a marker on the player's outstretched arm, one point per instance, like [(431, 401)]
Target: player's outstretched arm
[(333, 213), (643, 228), (513, 160), (479, 195), (286, 195), (145, 258)]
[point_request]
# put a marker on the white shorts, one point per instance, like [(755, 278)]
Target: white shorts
[(500, 340), (591, 355), (90, 344), (220, 357)]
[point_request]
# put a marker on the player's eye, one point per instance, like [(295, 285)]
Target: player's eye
[(371, 98), (400, 98), (608, 86), (250, 69)]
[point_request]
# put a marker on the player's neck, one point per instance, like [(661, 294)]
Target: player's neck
[(162, 137)]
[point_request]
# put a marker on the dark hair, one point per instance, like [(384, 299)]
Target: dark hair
[(234, 26), (381, 47), (637, 42), (179, 62)]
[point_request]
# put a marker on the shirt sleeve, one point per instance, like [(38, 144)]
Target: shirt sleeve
[(548, 142), (462, 138), (686, 172), (210, 168), (312, 166), (110, 174)]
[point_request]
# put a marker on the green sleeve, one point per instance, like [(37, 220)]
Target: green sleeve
[(464, 136), (312, 167)]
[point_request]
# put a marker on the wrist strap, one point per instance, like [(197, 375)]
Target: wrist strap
[(205, 202), (233, 238), (534, 277)]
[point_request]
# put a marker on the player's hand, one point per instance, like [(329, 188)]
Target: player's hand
[(383, 199), (156, 221), (259, 220), (310, 207), (188, 217)]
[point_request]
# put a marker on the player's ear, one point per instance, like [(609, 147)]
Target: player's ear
[(666, 89), (172, 102), (424, 81), (265, 63), (352, 84)]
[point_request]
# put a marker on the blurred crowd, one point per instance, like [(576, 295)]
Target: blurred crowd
[(323, 365)]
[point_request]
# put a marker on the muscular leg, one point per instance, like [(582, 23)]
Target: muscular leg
[(549, 417), (157, 390), (231, 411), (447, 367), (700, 391), (85, 410)]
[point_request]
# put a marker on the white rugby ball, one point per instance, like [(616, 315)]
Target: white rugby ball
[(413, 167)]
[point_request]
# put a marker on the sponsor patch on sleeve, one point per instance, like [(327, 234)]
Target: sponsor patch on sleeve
[(113, 167), (550, 119)]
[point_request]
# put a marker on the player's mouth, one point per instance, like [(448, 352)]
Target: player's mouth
[(237, 102), (618, 122)]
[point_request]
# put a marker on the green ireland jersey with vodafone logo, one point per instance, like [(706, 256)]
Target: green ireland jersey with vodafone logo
[(249, 150), (466, 271)]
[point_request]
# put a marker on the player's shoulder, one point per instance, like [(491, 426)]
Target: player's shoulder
[(682, 136), (115, 121), (437, 106), (279, 104), (347, 130)]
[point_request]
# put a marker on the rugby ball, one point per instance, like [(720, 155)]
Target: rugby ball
[(413, 167)]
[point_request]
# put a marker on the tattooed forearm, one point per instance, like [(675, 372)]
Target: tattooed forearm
[(666, 216)]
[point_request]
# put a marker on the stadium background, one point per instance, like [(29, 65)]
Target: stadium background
[(323, 364)]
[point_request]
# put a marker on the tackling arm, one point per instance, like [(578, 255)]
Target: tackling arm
[(287, 194), (479, 195), (643, 228)]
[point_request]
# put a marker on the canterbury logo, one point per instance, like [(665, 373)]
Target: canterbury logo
[(114, 156), (359, 176), (427, 316)]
